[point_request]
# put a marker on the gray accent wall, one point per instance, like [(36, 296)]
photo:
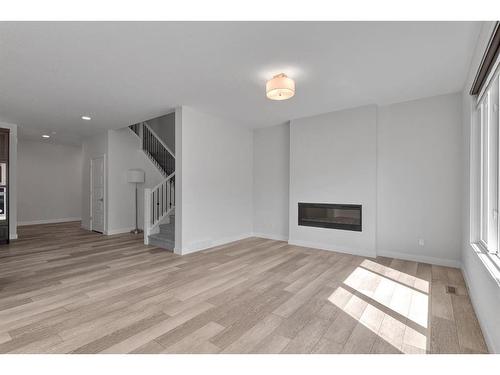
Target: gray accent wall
[(164, 127)]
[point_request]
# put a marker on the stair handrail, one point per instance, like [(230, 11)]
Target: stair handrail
[(163, 181), (161, 196), (150, 225), (158, 138)]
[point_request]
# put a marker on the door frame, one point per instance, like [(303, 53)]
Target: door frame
[(91, 195)]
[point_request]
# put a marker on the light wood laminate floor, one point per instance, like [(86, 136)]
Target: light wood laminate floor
[(67, 290)]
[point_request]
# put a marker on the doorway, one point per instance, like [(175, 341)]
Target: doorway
[(97, 194)]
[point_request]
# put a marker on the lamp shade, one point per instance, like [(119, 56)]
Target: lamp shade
[(135, 176), (280, 87)]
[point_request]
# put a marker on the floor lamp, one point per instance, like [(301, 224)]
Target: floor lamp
[(135, 176)]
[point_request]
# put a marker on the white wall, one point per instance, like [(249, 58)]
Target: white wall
[(12, 178), (49, 182), (124, 153), (484, 290), (178, 181), (216, 202), (333, 160), (271, 181), (419, 186), (92, 147), (418, 178)]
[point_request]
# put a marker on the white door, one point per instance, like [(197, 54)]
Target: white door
[(97, 195)]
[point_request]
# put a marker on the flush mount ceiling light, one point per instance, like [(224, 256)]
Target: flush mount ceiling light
[(86, 118), (280, 87), (45, 136)]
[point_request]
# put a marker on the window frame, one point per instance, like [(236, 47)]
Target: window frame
[(480, 218)]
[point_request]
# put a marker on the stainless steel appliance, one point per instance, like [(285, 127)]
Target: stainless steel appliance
[(4, 186), (3, 203)]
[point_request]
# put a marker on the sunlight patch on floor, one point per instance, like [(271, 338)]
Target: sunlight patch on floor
[(394, 274), (395, 311), (404, 300)]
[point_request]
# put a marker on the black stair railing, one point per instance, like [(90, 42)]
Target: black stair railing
[(161, 198), (157, 150)]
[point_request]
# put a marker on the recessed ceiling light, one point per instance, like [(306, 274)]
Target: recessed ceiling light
[(45, 136), (86, 118), (280, 87)]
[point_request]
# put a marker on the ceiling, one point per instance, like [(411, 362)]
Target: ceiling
[(119, 73)]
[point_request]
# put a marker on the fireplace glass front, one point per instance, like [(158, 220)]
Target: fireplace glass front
[(335, 216)]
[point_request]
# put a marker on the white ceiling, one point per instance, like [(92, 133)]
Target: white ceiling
[(51, 73)]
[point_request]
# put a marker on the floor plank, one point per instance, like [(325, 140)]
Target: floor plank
[(67, 290)]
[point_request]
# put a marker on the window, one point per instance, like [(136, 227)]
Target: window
[(489, 136)]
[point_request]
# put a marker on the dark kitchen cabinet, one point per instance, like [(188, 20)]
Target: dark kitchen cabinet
[(4, 145)]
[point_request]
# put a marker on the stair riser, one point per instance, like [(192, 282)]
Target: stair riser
[(167, 245), (167, 227), (167, 234), (164, 236)]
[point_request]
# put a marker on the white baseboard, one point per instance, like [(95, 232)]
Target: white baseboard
[(487, 338), (48, 221), (119, 231), (420, 258), (277, 237), (207, 244), (330, 247), (13, 236)]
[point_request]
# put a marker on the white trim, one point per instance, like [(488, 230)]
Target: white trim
[(489, 341), (204, 245), (148, 228), (276, 237), (118, 231), (489, 262), (335, 248), (390, 254), (169, 177), (489, 79), (421, 258), (105, 179), (13, 236), (412, 257), (49, 221)]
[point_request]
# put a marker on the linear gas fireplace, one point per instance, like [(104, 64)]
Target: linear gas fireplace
[(336, 216)]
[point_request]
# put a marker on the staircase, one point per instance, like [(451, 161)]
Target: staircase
[(165, 238), (159, 202)]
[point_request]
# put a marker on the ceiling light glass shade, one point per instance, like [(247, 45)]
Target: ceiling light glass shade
[(280, 87)]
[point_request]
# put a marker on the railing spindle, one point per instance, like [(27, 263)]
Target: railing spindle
[(162, 197)]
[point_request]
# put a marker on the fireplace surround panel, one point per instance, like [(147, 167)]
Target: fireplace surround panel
[(334, 216)]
